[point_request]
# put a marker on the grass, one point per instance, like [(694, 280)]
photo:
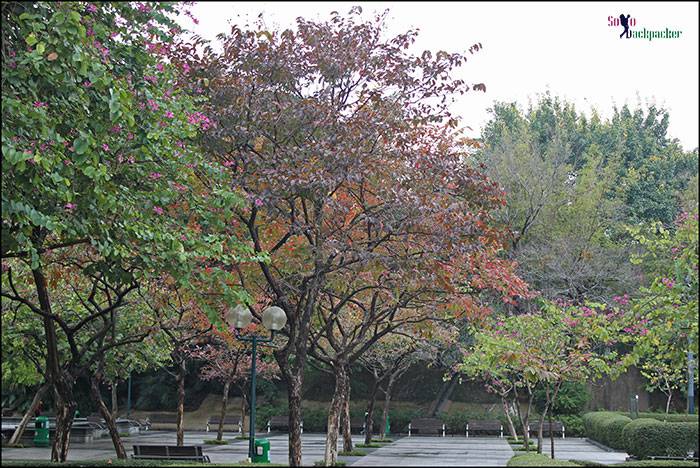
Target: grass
[(215, 442), (322, 463), (368, 445), (124, 434), (535, 459), (242, 437), (382, 441), (353, 453)]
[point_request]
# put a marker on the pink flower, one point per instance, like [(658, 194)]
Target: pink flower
[(143, 8), (160, 67), (105, 146), (153, 105), (179, 187), (67, 162), (69, 206), (129, 136), (89, 32), (258, 202), (185, 68), (183, 237), (158, 210), (116, 129), (229, 163), (669, 283), (40, 104), (170, 115), (91, 8), (155, 175), (113, 34), (151, 79)]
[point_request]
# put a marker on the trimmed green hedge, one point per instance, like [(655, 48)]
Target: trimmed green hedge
[(606, 427), (647, 437), (672, 417), (535, 459)]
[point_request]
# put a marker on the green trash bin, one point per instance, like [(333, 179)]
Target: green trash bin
[(262, 451), (41, 432)]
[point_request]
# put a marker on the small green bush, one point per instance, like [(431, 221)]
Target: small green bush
[(535, 459), (648, 437), (215, 442), (399, 419), (658, 463), (573, 423), (571, 399)]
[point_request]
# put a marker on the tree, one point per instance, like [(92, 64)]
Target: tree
[(387, 360), (333, 135), (90, 105), (667, 309)]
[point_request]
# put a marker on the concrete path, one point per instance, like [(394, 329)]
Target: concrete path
[(441, 451), (575, 448)]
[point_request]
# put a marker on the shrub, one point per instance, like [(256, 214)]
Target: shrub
[(571, 399), (648, 437), (535, 459), (672, 417), (399, 419), (573, 424), (593, 424), (612, 431)]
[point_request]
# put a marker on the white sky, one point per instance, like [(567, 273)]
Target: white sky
[(529, 48)]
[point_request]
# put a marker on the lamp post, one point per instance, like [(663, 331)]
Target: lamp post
[(273, 319), (691, 377)]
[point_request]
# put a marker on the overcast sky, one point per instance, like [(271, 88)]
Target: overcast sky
[(529, 48)]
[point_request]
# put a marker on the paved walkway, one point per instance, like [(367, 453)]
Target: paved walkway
[(575, 448), (406, 451), (441, 451)]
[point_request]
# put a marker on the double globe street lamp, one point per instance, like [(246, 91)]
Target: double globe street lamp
[(274, 319)]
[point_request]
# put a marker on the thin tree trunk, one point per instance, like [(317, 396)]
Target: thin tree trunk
[(181, 403), (331, 453), (115, 407), (506, 411), (224, 401), (59, 379), (294, 388), (444, 394), (244, 407), (369, 418), (17, 435), (524, 420), (551, 404), (387, 402), (347, 427), (540, 429), (668, 401), (109, 420)]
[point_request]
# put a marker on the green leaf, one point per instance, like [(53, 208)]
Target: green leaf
[(31, 39)]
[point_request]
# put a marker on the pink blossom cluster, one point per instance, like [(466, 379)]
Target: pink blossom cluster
[(40, 104), (669, 283), (151, 79), (197, 118), (152, 104), (622, 300)]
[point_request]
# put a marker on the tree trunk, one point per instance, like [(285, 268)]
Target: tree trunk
[(109, 420), (294, 387), (540, 429), (17, 435), (224, 401), (506, 411), (445, 392), (244, 408), (524, 420), (551, 404), (181, 403), (331, 453), (387, 402), (115, 407), (369, 416), (668, 401), (347, 427), (60, 380)]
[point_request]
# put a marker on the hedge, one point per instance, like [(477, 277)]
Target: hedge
[(606, 427), (671, 417), (646, 437)]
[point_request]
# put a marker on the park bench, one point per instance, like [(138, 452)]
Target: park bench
[(281, 423), (426, 426), (170, 452), (233, 422), (357, 425), (485, 427), (557, 427), (163, 421)]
